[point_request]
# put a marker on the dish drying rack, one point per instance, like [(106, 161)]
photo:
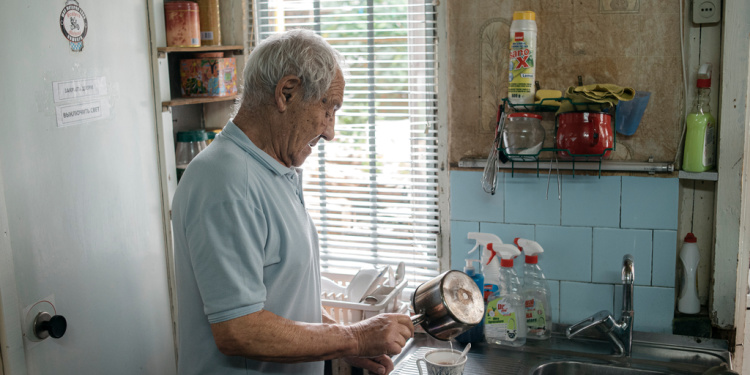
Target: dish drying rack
[(552, 105), (348, 312)]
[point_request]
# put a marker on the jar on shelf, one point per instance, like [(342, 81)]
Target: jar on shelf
[(183, 24), (523, 136), (189, 144), (211, 134)]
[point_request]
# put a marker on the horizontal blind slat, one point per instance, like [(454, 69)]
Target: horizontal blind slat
[(372, 191)]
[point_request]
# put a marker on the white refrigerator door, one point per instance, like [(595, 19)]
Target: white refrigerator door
[(82, 206)]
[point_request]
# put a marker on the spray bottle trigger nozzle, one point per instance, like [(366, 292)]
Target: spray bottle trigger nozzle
[(473, 248), (491, 250)]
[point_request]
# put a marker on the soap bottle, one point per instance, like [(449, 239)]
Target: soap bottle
[(688, 302), (700, 136), (504, 318), (536, 292)]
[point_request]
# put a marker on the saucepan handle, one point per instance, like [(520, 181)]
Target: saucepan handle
[(418, 319)]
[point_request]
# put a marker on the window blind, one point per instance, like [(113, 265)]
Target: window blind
[(373, 190)]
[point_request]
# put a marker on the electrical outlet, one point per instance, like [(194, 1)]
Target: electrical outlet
[(706, 11)]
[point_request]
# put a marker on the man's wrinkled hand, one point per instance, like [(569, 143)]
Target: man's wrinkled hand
[(382, 334)]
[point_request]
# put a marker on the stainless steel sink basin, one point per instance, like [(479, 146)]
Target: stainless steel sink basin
[(583, 368), (652, 354)]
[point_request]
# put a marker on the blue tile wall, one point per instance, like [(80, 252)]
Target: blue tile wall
[(526, 201), (654, 307), (649, 202), (554, 287), (590, 201), (610, 245), (665, 258), (470, 202), (567, 252), (584, 235), (581, 300)]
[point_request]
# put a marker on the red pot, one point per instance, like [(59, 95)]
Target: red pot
[(584, 133)]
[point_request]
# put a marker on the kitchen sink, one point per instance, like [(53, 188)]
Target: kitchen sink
[(652, 354), (582, 368)]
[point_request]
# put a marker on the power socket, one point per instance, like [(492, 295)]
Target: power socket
[(706, 11)]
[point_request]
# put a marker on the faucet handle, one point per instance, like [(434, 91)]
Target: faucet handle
[(592, 321)]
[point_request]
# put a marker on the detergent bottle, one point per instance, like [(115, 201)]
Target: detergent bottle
[(688, 302), (522, 59), (700, 137), (504, 318), (536, 292)]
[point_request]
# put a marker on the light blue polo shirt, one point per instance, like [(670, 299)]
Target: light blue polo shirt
[(243, 242)]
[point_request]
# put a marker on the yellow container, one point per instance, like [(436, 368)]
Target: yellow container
[(210, 22)]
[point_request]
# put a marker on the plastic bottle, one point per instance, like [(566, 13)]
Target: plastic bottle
[(505, 318), (476, 333), (472, 272), (700, 137), (536, 292), (490, 273), (189, 144), (522, 62), (688, 302)]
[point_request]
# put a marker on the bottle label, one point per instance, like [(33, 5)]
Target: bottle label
[(521, 66), (500, 320), (489, 289), (710, 145), (535, 317)]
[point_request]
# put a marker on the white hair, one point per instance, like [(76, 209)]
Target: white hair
[(298, 52)]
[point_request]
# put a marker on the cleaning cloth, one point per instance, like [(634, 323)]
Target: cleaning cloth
[(607, 95)]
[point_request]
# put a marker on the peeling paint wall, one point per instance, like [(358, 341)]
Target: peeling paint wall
[(633, 43)]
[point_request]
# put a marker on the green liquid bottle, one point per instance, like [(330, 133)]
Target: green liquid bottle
[(700, 138)]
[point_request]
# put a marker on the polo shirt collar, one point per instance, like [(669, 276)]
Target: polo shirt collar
[(236, 135)]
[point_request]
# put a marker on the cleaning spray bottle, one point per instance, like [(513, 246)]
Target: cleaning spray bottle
[(535, 292), (700, 137), (491, 274), (476, 334), (504, 318)]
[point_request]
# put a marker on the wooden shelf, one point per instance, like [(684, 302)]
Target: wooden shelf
[(711, 175), (199, 49), (187, 101)]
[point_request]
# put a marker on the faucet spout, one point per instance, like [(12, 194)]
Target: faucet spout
[(628, 312), (619, 332)]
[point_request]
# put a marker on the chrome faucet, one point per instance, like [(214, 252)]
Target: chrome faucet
[(619, 332)]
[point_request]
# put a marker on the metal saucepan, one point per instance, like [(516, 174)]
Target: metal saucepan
[(448, 305)]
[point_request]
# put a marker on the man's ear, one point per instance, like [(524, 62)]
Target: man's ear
[(289, 89)]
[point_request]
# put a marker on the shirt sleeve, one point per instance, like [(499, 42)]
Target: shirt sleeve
[(226, 244)]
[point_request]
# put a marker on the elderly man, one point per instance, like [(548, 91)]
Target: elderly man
[(246, 250)]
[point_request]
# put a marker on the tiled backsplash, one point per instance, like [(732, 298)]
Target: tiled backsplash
[(584, 233)]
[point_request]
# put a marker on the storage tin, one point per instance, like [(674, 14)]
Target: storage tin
[(183, 24), (203, 77)]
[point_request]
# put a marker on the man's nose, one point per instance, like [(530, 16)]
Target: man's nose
[(329, 133)]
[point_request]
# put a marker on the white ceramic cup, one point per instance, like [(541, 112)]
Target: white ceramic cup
[(442, 362)]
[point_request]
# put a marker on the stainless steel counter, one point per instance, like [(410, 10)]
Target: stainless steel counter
[(652, 354)]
